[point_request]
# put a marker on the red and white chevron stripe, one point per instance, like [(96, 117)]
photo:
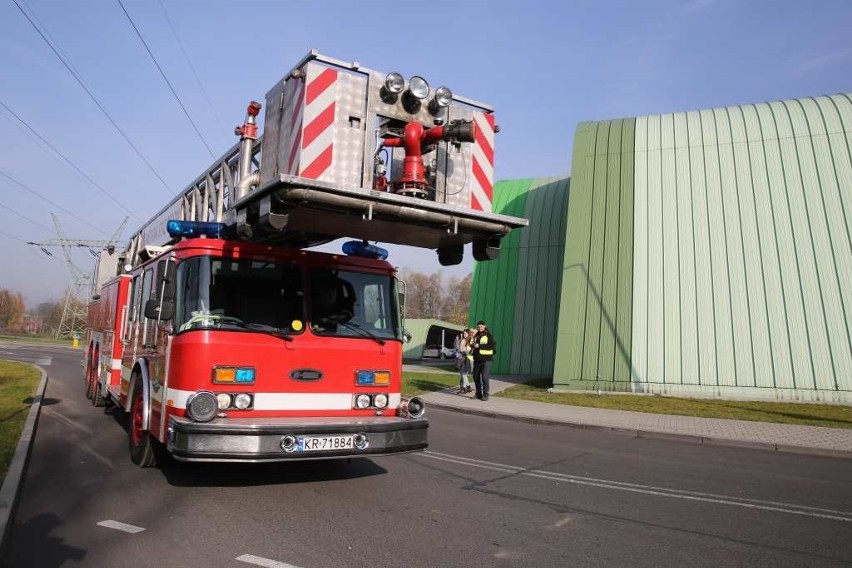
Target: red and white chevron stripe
[(482, 183), (318, 120)]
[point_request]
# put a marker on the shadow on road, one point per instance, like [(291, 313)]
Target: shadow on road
[(52, 550), (181, 474), (44, 401)]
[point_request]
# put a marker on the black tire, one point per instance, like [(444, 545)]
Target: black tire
[(141, 444), (88, 381), (98, 398)]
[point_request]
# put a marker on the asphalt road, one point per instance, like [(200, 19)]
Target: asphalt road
[(488, 492)]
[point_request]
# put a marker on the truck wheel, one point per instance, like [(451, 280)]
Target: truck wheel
[(141, 445), (95, 389), (88, 385), (98, 398), (89, 377)]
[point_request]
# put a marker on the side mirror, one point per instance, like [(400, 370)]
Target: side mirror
[(159, 311), (168, 285), (401, 286)]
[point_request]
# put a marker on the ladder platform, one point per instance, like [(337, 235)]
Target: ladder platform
[(297, 211)]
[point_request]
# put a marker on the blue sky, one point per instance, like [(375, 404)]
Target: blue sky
[(545, 67)]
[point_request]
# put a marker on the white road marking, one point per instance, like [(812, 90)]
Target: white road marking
[(44, 361), (260, 561), (560, 523), (121, 527), (788, 508)]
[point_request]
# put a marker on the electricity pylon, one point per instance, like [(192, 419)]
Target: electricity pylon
[(74, 311)]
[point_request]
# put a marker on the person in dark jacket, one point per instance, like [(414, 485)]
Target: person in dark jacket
[(483, 348)]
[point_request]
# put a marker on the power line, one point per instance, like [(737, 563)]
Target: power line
[(194, 72), (69, 162), (13, 236), (22, 216), (166, 79), (43, 198), (94, 99)]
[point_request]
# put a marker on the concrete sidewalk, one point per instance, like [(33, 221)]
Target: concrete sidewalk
[(766, 435)]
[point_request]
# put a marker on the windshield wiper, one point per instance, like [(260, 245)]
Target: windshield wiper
[(362, 331), (273, 331), (217, 321)]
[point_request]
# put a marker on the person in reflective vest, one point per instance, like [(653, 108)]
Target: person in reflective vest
[(483, 348)]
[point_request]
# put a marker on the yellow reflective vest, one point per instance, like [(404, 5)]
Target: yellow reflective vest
[(484, 346)]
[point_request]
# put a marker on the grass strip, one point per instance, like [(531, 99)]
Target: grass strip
[(18, 382), (415, 382), (826, 415)]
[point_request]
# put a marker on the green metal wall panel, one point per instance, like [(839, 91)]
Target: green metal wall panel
[(623, 369), (593, 338), (495, 282), (518, 294), (770, 330), (743, 251), (570, 337), (539, 269)]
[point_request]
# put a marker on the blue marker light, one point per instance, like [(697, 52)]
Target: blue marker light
[(362, 248), (190, 229), (245, 375), (365, 378)]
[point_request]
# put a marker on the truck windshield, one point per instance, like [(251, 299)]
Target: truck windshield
[(247, 294), (268, 296), (354, 304)]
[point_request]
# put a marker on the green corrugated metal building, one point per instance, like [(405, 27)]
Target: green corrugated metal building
[(707, 253)]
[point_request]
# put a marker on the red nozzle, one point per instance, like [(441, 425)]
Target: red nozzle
[(254, 108)]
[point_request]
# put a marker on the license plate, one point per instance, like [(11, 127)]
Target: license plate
[(324, 443)]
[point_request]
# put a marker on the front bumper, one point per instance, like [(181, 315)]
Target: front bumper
[(259, 439)]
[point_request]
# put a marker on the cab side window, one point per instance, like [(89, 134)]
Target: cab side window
[(147, 294), (131, 308)]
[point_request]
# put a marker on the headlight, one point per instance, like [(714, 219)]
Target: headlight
[(362, 401), (412, 407), (242, 401), (443, 96), (380, 400), (442, 99), (418, 87), (394, 83), (202, 406), (224, 400)]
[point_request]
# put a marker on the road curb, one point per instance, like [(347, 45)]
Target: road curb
[(704, 440), (10, 491)]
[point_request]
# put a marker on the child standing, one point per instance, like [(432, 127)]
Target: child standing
[(464, 360)]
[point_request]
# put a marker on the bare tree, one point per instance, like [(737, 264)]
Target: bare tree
[(456, 300), (427, 296), (50, 314)]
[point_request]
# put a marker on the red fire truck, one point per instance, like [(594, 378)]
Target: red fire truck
[(226, 340)]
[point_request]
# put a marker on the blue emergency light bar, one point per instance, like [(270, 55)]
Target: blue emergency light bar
[(363, 248), (193, 229)]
